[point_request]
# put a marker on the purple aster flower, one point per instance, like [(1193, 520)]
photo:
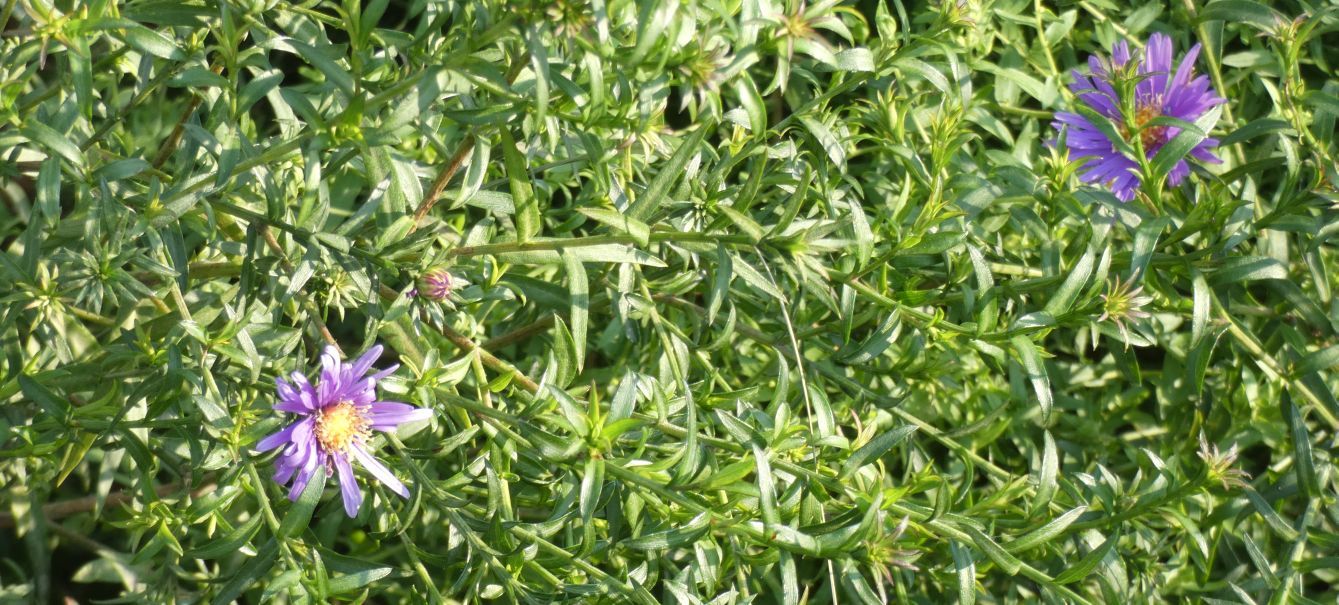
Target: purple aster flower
[(1159, 91), (338, 415)]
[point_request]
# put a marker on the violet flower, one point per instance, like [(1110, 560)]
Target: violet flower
[(337, 417), (1159, 91)]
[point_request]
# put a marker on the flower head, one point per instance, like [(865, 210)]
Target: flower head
[(1159, 89), (1124, 302), (336, 418), (1220, 463)]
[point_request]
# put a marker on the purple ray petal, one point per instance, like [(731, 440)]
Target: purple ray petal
[(379, 471), (384, 373), (365, 362), (310, 467), (1120, 54), (1158, 63), (277, 439), (1184, 71), (1178, 173), (387, 415), (348, 486)]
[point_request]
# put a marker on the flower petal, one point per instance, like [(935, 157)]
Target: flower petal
[(386, 415), (277, 439), (365, 362), (310, 467), (348, 486), (1178, 173), (379, 470), (306, 394), (287, 465), (384, 373), (330, 360), (286, 391), (1184, 71), (1158, 64), (1120, 54)]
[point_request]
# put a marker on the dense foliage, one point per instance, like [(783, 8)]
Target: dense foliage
[(767, 301)]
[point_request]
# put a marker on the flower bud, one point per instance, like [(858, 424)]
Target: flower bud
[(435, 284)]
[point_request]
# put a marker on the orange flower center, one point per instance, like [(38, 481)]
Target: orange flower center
[(338, 425)]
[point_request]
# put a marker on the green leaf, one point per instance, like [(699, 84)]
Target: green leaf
[(753, 278), (745, 224), (564, 354), (350, 582), (53, 141), (1084, 566), (1000, 557), (966, 572), (1069, 290), (1255, 128), (875, 344), (45, 398), (1304, 464), (1036, 372), (592, 484), (300, 514), (856, 581), (1247, 268), (1270, 515), (602, 253), (729, 475), (254, 569), (229, 544), (672, 537), (1145, 242), (854, 59), (333, 71), (640, 232), (48, 189), (658, 191), (925, 71), (154, 43), (720, 282), (529, 222), (1241, 11), (1200, 306), (579, 293), (766, 485), (1046, 475), (1110, 130), (1179, 147), (875, 449), (1322, 102), (1045, 533), (1316, 361)]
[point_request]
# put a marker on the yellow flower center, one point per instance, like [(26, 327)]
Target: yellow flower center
[(338, 425), (1149, 135)]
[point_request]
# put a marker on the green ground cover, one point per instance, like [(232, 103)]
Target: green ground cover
[(703, 302)]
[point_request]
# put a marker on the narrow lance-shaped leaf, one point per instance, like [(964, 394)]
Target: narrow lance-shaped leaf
[(578, 291), (528, 222), (646, 205), (1036, 372)]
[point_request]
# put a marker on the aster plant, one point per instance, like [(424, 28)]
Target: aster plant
[(337, 417), (832, 331), (1131, 108)]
